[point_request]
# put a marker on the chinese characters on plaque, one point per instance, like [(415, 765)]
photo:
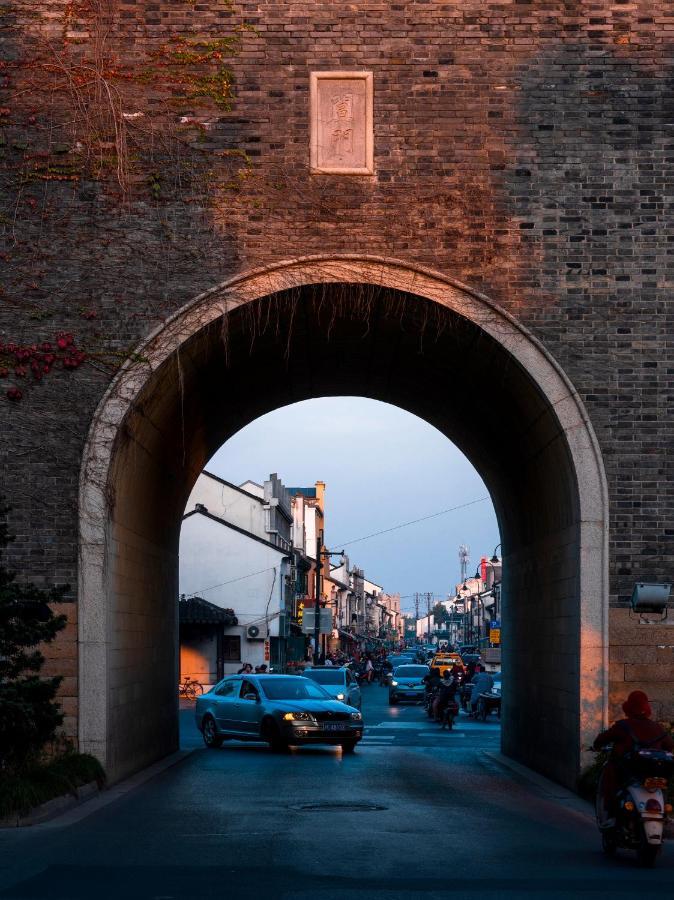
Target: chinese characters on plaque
[(341, 123)]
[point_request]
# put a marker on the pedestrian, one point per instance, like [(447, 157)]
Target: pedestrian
[(369, 670), (246, 669)]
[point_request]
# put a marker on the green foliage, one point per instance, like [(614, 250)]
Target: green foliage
[(39, 783), (440, 614), (154, 184), (29, 716)]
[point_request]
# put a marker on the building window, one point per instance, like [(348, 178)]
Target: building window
[(231, 648)]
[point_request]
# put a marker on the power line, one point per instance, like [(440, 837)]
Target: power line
[(366, 537), (231, 581), (443, 512)]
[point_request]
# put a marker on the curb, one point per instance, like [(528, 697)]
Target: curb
[(560, 794), (52, 808), (550, 789), (67, 810)]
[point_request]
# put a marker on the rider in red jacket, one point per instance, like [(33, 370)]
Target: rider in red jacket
[(622, 734)]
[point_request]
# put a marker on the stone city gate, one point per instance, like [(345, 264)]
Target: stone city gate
[(462, 210)]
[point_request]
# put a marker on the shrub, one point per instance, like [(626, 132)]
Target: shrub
[(39, 783), (29, 716)]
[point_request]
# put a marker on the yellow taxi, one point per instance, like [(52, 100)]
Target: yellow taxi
[(444, 661)]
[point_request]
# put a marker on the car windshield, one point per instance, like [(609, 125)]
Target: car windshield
[(397, 660), (411, 671), (294, 688), (325, 676)]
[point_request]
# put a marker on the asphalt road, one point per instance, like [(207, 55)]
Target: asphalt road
[(414, 813)]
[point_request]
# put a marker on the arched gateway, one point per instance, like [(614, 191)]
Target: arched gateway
[(350, 325)]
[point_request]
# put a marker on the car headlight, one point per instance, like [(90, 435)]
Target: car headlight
[(357, 717), (298, 717), (394, 683), (340, 696)]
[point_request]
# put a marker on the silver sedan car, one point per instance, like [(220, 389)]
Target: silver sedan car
[(282, 710)]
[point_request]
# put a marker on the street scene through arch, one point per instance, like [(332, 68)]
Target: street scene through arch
[(381, 329), (394, 499)]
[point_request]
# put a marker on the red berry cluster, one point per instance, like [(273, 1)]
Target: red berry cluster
[(17, 359)]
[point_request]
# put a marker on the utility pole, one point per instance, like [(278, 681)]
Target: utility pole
[(428, 607), (317, 583), (320, 555), (416, 608)]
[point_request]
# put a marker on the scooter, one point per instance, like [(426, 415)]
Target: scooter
[(487, 703), (641, 806), (428, 702), (449, 714)]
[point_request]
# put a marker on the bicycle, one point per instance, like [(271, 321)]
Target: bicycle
[(189, 689)]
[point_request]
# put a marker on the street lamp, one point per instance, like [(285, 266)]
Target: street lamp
[(467, 617)]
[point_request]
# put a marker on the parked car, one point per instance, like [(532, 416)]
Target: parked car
[(340, 683), (281, 710), (407, 683)]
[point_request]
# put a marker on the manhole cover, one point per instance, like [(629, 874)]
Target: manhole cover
[(339, 807)]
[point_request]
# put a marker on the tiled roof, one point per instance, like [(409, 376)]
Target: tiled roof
[(197, 611)]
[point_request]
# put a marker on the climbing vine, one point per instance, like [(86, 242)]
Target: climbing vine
[(88, 116)]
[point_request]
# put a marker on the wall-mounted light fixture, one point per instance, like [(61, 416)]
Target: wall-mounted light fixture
[(650, 598)]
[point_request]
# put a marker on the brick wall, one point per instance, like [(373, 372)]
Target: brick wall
[(520, 147)]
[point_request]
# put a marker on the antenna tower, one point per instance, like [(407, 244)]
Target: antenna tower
[(464, 557)]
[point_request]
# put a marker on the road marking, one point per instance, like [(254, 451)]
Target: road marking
[(394, 726), (457, 733)]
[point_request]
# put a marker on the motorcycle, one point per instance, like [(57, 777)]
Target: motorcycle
[(449, 714), (428, 702), (465, 691), (641, 805), (488, 703)]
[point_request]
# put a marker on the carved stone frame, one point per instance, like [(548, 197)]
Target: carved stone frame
[(368, 168)]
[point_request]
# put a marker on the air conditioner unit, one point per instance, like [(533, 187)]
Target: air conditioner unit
[(258, 632)]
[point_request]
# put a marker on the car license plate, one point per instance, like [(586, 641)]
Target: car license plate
[(333, 726)]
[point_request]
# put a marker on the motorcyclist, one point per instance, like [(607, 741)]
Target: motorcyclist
[(481, 683), (432, 681), (626, 735), (386, 669), (445, 693)]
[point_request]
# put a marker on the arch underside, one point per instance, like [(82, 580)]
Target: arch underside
[(450, 359)]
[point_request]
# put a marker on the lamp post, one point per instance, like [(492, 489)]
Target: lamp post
[(467, 617)]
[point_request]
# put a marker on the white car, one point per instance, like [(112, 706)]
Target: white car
[(339, 682)]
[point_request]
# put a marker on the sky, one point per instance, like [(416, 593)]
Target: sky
[(382, 467)]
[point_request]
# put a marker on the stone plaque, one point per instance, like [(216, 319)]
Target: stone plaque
[(341, 123)]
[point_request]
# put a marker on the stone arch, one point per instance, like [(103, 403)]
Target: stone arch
[(137, 471)]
